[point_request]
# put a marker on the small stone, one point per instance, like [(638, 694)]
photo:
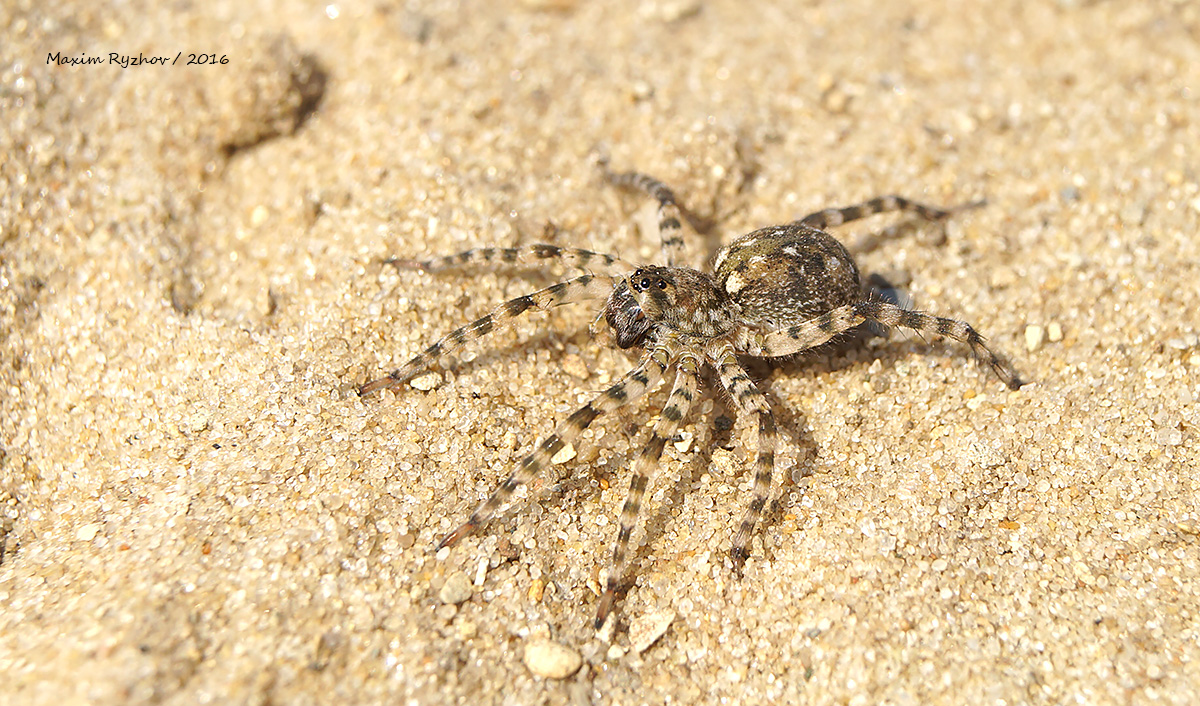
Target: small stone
[(88, 532), (685, 442), (456, 589), (551, 660), (564, 454), (641, 91), (554, 5), (259, 215), (574, 366), (964, 123), (1169, 437), (1054, 333), (673, 11), (1002, 278), (426, 382), (1034, 335), (835, 100), (645, 630)]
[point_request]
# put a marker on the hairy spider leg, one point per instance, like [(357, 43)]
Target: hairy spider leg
[(830, 217), (577, 289), (669, 225), (749, 399), (633, 385), (521, 255), (687, 382), (818, 330)]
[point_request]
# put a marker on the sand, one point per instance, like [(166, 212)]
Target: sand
[(196, 506)]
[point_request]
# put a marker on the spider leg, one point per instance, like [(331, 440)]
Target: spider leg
[(687, 381), (748, 398), (627, 389), (830, 217), (669, 225), (579, 288), (522, 255), (816, 331)]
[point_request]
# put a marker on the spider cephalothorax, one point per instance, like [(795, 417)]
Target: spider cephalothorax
[(774, 292), (678, 299)]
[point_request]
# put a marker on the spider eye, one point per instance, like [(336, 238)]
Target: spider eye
[(645, 283), (662, 284)]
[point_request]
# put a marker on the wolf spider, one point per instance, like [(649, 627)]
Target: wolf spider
[(773, 292)]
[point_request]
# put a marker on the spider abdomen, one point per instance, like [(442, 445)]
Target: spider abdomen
[(783, 275)]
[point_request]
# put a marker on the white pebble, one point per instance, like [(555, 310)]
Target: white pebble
[(1169, 437), (481, 571), (551, 660), (456, 589), (574, 365), (1054, 333), (88, 532), (426, 382), (1033, 337), (564, 454), (646, 629)]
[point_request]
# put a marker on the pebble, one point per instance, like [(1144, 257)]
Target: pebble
[(481, 571), (426, 382), (456, 589), (558, 5), (574, 365), (564, 454), (1054, 333), (836, 100), (678, 10), (88, 532), (551, 660), (640, 91), (1034, 335), (645, 630)]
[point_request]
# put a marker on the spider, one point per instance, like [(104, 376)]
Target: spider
[(774, 292)]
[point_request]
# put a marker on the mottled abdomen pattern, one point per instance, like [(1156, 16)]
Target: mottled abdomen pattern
[(783, 275)]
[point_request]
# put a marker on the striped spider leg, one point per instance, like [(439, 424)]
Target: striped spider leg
[(627, 389), (825, 327), (749, 399), (521, 255), (687, 382), (669, 226), (577, 289), (832, 217)]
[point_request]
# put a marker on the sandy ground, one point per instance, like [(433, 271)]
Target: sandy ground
[(195, 506)]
